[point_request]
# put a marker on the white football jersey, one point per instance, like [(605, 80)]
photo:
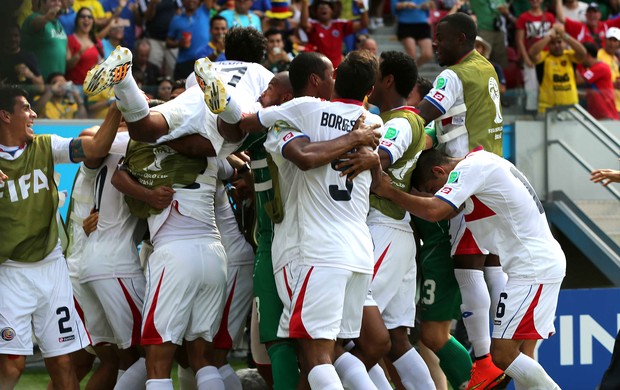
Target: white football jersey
[(330, 211), (505, 216)]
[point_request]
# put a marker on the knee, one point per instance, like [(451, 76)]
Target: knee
[(12, 369), (381, 346), (433, 340)]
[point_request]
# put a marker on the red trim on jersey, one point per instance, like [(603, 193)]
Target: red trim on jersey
[(476, 149), (296, 326), (467, 245), (407, 108), (480, 211), (380, 261), (222, 339), (461, 59), (446, 121), (349, 101), (80, 312), (135, 314), (527, 329), (288, 288), (150, 335)]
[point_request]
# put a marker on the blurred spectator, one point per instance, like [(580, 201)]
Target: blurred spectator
[(281, 17), (25, 9), (422, 87), (608, 56), (575, 10), (101, 18), (66, 16), (145, 72), (214, 49), (164, 89), (188, 32), (593, 30), (44, 36), (128, 15), (241, 16), (157, 15), (370, 45), (558, 86), (484, 48), (277, 59), (115, 37), (18, 66), (84, 49), (413, 28), (260, 7), (376, 14), (60, 100), (531, 26), (325, 31), (596, 74), (490, 16), (351, 11), (97, 105), (178, 88)]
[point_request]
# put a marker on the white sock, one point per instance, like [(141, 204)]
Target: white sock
[(187, 378), (324, 377), (209, 378), (159, 384), (475, 308), (352, 372), (232, 113), (119, 374), (230, 378), (130, 100), (134, 377), (413, 371), (377, 376), (496, 280), (529, 374)]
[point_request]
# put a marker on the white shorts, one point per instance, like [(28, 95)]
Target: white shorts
[(38, 297), (321, 302), (185, 293), (113, 310), (394, 280), (526, 312), (463, 242), (237, 308), (259, 350)]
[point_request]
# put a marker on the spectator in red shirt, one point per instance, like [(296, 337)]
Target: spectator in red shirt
[(593, 30), (84, 49), (531, 26), (600, 99), (325, 31)]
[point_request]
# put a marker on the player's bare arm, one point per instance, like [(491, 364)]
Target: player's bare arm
[(159, 198), (358, 161), (428, 112), (99, 145), (431, 209), (251, 124)]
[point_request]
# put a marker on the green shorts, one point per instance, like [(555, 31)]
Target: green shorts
[(268, 303), (440, 297)]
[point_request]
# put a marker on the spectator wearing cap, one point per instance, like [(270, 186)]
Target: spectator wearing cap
[(325, 30), (214, 49), (279, 17), (593, 30), (241, 16), (157, 15), (575, 10), (484, 48), (596, 76), (188, 32), (607, 54)]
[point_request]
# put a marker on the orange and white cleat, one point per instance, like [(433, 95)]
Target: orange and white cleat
[(213, 88), (485, 375), (111, 71)]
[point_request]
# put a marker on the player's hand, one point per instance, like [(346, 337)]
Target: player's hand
[(605, 176), (365, 134), (381, 182), (354, 163), (90, 223), (52, 12), (160, 197), (3, 177)]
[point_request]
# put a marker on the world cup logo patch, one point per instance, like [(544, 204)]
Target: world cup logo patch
[(8, 334)]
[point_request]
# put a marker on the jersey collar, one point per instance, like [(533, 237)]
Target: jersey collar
[(349, 101), (474, 150)]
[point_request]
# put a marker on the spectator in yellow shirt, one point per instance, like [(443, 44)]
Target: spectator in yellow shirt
[(60, 100), (607, 54)]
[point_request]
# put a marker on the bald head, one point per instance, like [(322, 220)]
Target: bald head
[(278, 91), (370, 45)]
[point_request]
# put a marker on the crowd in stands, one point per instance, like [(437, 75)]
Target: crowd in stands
[(49, 45)]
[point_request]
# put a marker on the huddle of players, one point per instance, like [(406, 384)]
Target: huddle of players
[(321, 261)]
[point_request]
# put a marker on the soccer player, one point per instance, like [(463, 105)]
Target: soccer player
[(30, 248), (505, 215), (465, 103)]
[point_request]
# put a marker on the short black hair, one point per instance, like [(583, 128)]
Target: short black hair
[(591, 49), (52, 76), (356, 75), (245, 44), (424, 167), (217, 17), (424, 86), (273, 31), (8, 96), (462, 23), (302, 66), (402, 67)]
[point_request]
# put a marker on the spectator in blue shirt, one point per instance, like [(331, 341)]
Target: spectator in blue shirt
[(241, 16), (189, 31), (129, 13), (214, 49), (66, 16), (413, 28)]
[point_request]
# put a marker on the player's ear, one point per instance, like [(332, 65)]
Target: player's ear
[(370, 91), (437, 170)]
